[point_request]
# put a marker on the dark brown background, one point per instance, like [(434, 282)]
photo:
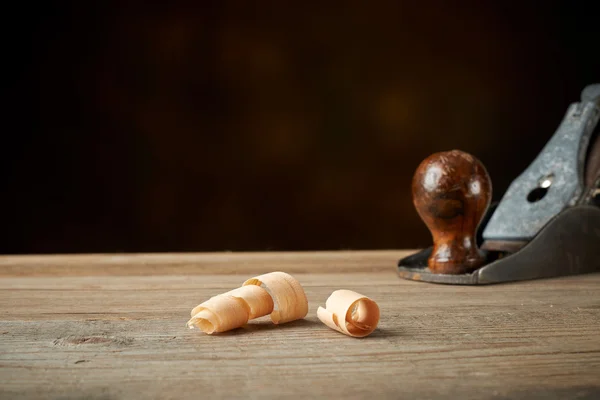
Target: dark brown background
[(228, 126)]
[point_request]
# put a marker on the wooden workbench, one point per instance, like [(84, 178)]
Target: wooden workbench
[(113, 327)]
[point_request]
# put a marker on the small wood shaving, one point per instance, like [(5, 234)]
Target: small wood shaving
[(350, 313), (290, 302), (276, 293), (220, 314), (257, 299)]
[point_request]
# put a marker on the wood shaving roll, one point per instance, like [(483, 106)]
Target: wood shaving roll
[(350, 313), (290, 302), (276, 293)]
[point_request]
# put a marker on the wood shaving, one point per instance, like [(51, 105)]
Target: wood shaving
[(290, 302), (350, 313), (275, 293)]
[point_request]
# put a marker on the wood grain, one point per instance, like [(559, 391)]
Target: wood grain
[(71, 330), (203, 263)]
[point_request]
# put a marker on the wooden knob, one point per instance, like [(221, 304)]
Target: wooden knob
[(451, 192)]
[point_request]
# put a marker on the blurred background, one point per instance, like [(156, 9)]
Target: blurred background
[(226, 125)]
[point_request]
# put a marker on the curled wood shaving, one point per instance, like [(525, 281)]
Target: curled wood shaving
[(350, 313), (276, 293), (220, 314), (290, 302), (258, 300)]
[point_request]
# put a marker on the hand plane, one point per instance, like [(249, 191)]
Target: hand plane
[(547, 223)]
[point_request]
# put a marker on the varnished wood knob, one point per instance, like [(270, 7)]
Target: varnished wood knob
[(451, 192)]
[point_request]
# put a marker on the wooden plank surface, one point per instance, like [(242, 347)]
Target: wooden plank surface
[(113, 327)]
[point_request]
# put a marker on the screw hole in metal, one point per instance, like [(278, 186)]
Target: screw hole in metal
[(539, 192)]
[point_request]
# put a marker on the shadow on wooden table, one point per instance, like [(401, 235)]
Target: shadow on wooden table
[(266, 325), (385, 333)]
